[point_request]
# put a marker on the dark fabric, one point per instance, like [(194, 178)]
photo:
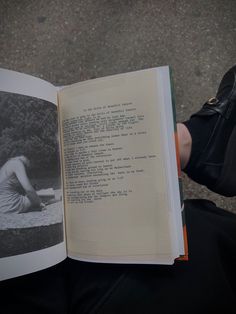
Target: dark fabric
[(37, 293), (204, 284), (200, 128)]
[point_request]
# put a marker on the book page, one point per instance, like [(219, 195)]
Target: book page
[(116, 194), (31, 223)]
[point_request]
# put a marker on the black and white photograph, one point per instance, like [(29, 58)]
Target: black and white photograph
[(31, 203)]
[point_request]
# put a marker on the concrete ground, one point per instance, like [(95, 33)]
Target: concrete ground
[(68, 41)]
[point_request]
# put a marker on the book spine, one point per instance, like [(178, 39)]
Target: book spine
[(185, 256)]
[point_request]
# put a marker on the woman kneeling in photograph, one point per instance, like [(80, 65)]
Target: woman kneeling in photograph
[(16, 192)]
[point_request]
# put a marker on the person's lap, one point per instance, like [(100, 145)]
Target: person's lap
[(203, 284)]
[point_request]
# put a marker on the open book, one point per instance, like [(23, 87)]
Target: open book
[(104, 162)]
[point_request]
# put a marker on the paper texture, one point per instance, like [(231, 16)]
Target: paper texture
[(116, 202)]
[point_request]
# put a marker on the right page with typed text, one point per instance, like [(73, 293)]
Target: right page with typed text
[(116, 195)]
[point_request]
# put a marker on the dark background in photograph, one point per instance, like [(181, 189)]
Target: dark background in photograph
[(29, 126)]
